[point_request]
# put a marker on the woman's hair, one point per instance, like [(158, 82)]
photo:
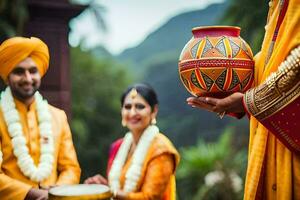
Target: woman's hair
[(145, 90)]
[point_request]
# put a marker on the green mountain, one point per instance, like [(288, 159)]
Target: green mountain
[(172, 36)]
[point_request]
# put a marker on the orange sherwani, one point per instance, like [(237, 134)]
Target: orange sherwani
[(273, 170), (158, 173), (66, 170)]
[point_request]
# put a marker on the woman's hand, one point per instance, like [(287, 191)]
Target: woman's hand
[(97, 179), (230, 104)]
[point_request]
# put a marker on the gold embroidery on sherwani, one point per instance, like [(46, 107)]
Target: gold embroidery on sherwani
[(280, 88)]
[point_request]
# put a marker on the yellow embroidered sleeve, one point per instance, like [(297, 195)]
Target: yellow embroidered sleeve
[(278, 90), (156, 180)]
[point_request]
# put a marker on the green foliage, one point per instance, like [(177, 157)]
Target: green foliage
[(96, 89), (13, 15), (203, 156), (251, 16), (219, 191), (96, 11), (199, 160)]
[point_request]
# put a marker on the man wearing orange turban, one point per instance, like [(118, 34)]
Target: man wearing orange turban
[(36, 148)]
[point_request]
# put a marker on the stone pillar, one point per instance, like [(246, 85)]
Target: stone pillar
[(49, 20)]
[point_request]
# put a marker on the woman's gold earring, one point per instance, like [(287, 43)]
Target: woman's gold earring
[(153, 121), (124, 123)]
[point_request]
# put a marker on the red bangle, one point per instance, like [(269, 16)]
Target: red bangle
[(245, 107)]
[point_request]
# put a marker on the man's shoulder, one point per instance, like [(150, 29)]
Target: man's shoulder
[(56, 111), (54, 108)]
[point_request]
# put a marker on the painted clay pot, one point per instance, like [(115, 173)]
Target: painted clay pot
[(216, 62)]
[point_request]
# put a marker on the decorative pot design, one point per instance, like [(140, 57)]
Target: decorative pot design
[(216, 62)]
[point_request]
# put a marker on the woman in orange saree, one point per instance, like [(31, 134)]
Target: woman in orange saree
[(141, 165)]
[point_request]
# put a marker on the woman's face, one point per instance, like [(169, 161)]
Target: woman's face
[(137, 113)]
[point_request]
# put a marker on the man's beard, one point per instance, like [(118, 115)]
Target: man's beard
[(23, 95)]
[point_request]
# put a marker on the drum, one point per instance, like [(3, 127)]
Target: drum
[(80, 192)]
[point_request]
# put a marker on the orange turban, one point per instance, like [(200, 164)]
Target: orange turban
[(16, 49)]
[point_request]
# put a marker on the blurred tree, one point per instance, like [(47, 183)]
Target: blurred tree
[(96, 121), (210, 170), (13, 15), (95, 13), (251, 16), (95, 9)]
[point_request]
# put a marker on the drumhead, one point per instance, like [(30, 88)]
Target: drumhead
[(80, 191)]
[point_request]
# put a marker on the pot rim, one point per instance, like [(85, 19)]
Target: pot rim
[(215, 27)]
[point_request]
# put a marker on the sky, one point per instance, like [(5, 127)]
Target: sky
[(128, 22)]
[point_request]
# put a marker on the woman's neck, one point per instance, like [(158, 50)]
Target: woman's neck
[(136, 136)]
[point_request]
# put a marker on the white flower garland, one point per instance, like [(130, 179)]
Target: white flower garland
[(15, 130), (135, 169), (1, 157)]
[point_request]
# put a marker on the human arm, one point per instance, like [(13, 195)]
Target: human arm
[(276, 102), (9, 187), (280, 85), (230, 104), (158, 174), (68, 166)]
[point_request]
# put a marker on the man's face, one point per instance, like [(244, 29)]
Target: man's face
[(25, 79)]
